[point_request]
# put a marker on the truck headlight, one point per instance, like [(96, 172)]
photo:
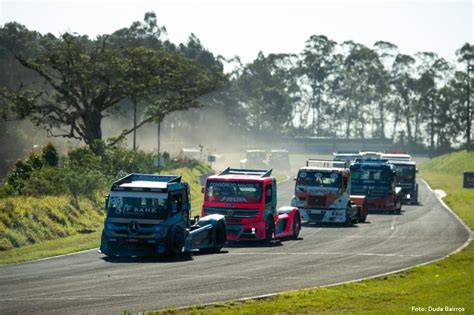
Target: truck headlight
[(158, 230)]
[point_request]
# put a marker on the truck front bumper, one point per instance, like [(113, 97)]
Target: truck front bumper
[(324, 215), (132, 247)]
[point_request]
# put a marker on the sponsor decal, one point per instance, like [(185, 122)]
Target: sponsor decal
[(233, 199), (128, 209), (318, 190)]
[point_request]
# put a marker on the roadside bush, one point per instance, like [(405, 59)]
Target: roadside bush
[(83, 158), (6, 190), (50, 155), (45, 181), (85, 183)]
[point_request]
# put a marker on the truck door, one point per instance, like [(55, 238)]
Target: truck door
[(270, 199)]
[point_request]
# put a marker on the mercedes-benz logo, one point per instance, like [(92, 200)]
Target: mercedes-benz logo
[(230, 212), (133, 227)]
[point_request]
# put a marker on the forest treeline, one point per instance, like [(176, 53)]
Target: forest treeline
[(69, 84)]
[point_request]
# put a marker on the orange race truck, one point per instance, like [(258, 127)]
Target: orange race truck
[(323, 194)]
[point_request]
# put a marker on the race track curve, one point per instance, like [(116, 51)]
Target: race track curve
[(88, 283)]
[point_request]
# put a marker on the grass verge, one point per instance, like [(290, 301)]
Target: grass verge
[(447, 286)]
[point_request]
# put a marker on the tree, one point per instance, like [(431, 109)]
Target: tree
[(83, 81), (317, 65), (466, 55), (265, 94), (403, 83)]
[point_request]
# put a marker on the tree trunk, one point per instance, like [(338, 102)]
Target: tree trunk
[(134, 124), (92, 126)]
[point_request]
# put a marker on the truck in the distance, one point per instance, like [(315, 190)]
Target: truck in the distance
[(376, 180), (323, 193), (254, 159), (406, 179), (149, 215), (248, 200)]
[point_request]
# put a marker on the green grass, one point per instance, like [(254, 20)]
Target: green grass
[(38, 227), (448, 282), (446, 173), (50, 248)]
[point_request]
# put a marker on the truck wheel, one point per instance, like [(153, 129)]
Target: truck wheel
[(363, 216), (220, 237), (348, 217), (269, 229), (296, 226), (175, 241)]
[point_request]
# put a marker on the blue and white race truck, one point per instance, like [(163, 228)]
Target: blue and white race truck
[(149, 215)]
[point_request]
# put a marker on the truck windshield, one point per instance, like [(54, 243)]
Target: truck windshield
[(318, 178), (137, 207), (405, 172), (371, 175), (260, 156), (236, 192)]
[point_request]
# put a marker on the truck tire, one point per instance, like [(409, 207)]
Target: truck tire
[(269, 229), (175, 241), (296, 225), (219, 239), (363, 216), (349, 220)]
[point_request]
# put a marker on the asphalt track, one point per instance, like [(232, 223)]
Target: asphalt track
[(88, 283)]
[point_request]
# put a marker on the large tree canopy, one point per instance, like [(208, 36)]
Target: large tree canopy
[(83, 80)]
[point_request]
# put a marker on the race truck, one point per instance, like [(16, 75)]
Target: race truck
[(322, 194), (279, 159), (396, 156), (149, 215), (376, 180), (254, 159), (346, 156), (405, 178), (248, 200)]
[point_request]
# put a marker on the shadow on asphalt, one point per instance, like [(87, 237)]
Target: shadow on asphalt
[(128, 260), (330, 225), (157, 259), (254, 244), (381, 212)]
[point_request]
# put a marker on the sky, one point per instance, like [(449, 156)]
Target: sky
[(245, 27)]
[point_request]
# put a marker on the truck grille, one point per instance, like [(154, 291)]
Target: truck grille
[(232, 212), (315, 201)]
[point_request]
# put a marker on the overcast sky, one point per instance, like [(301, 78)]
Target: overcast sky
[(245, 27)]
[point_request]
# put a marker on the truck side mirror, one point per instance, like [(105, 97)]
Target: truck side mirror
[(416, 170), (294, 178), (106, 202), (202, 189)]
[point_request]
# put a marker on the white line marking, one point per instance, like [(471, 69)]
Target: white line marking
[(392, 226), (333, 253)]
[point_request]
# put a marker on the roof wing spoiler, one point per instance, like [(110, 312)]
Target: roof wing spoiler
[(241, 171), (372, 161), (147, 177), (327, 163), (346, 152)]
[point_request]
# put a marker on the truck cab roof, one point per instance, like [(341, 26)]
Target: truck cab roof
[(243, 175), (148, 182)]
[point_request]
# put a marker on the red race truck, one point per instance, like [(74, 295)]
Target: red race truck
[(248, 200), (323, 193)]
